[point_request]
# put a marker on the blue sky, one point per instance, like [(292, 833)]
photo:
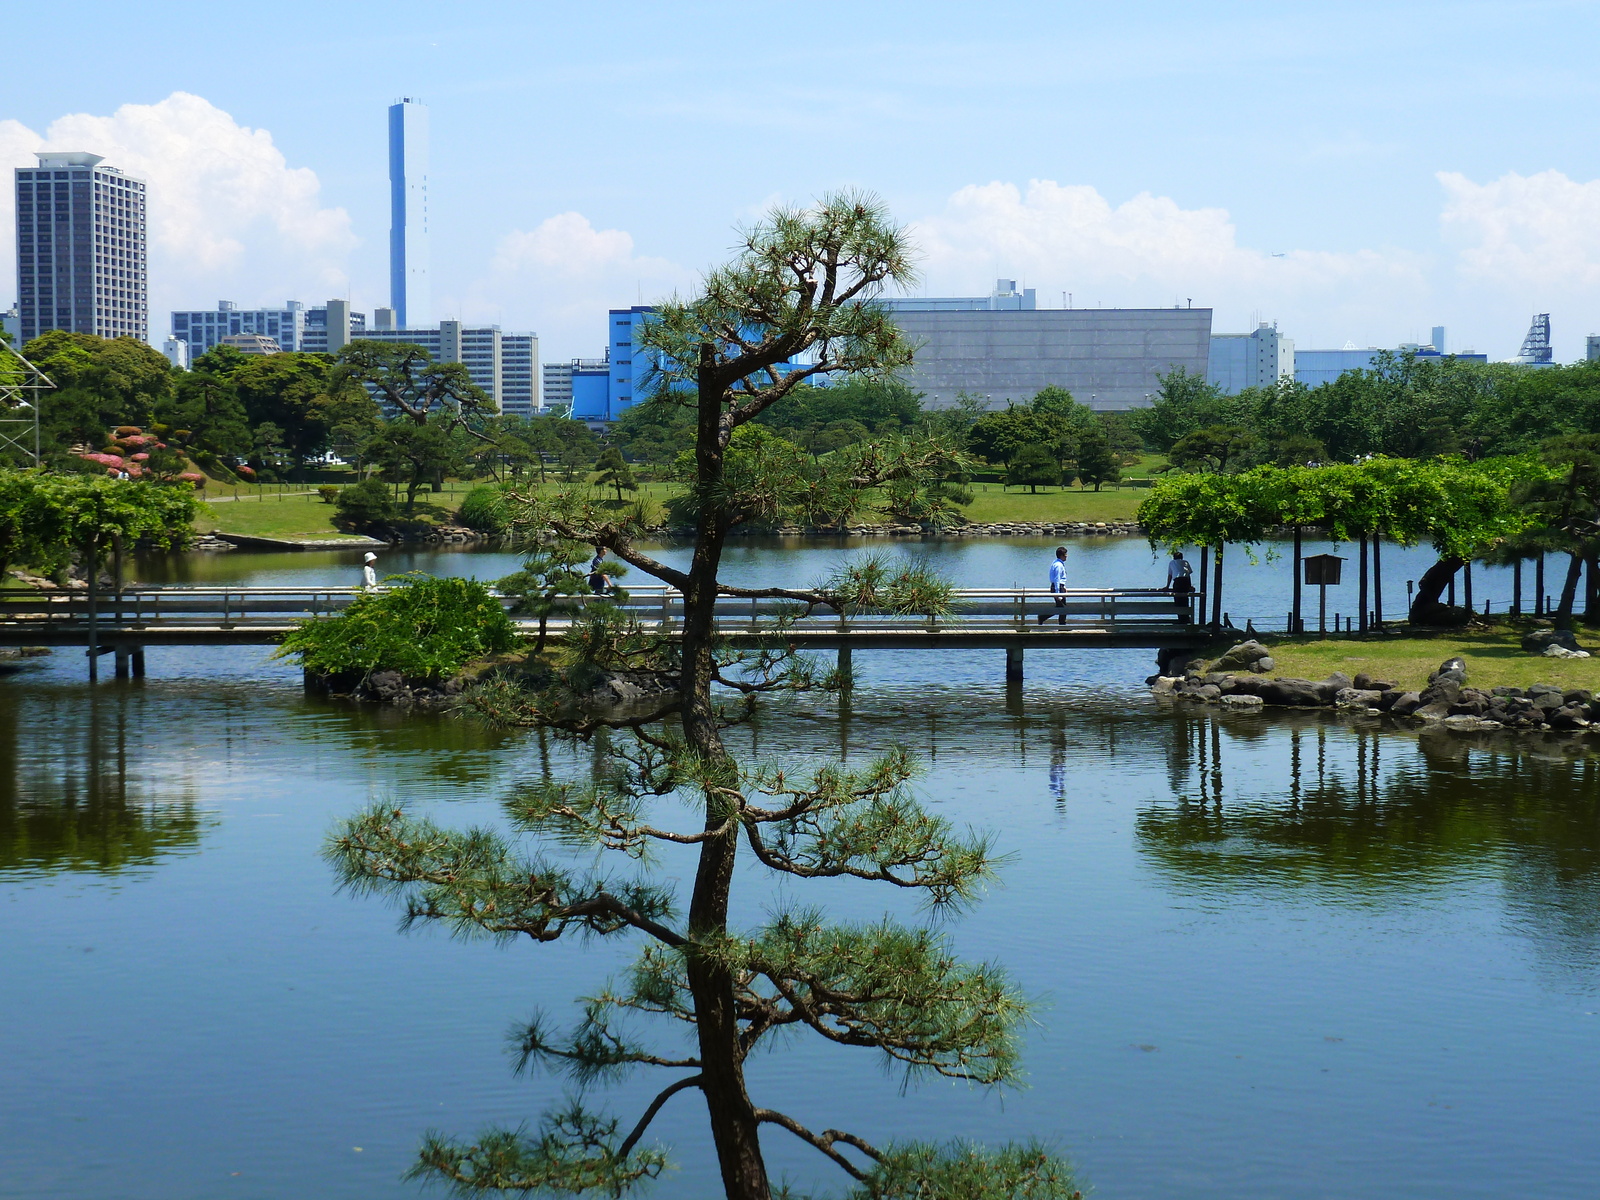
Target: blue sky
[(1413, 164)]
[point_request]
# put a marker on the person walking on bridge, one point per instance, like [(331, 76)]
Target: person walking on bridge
[(369, 574), (1058, 585), (1179, 582)]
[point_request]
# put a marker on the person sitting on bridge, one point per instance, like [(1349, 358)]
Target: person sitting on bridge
[(1058, 585)]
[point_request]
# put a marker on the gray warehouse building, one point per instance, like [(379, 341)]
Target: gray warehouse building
[(1004, 349)]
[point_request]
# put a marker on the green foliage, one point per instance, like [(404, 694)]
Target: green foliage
[(614, 473), (364, 507), (329, 492), (44, 517), (485, 509), (209, 408), (1097, 462), (423, 627), (827, 418), (1402, 407), (296, 394), (1217, 448), (405, 377), (551, 575), (1033, 465), (418, 454), (963, 1171), (574, 1152)]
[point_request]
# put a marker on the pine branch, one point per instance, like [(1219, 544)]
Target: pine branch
[(823, 1141), (666, 1094)]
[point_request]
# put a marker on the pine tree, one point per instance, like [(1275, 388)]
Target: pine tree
[(614, 472), (800, 291)]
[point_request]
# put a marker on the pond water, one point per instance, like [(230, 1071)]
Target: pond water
[(1274, 956)]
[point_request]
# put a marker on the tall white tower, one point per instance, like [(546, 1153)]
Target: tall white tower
[(410, 291)]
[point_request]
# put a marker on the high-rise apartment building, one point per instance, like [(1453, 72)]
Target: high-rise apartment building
[(410, 291), (294, 326), (81, 248)]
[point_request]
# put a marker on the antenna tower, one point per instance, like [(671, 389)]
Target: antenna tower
[(20, 385)]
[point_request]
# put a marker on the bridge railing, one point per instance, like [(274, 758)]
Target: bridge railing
[(971, 607)]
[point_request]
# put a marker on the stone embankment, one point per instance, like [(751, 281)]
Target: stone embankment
[(605, 690), (1238, 682)]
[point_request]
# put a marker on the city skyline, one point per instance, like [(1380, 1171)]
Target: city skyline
[(1272, 166)]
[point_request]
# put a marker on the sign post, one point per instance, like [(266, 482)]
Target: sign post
[(1322, 570)]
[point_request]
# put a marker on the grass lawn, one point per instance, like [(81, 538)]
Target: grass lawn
[(1494, 658), (993, 504), (288, 516)]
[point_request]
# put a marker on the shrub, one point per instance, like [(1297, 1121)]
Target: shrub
[(329, 492), (423, 627), (484, 510), (366, 505)]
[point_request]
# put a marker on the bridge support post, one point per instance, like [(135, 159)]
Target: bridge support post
[(122, 661), (137, 655), (1013, 662), (846, 671)]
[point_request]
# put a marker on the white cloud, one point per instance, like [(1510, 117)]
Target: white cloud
[(1150, 251), (564, 274), (1540, 231), (228, 216)]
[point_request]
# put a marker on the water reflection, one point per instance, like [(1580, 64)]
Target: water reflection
[(73, 804), (1363, 816)]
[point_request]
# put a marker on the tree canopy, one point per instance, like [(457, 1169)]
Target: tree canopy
[(45, 517)]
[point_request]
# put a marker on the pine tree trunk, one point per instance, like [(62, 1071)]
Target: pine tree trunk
[(1430, 587), (734, 1128), (1569, 592)]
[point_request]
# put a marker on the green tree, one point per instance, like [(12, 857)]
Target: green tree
[(1097, 463), (1216, 448), (551, 576), (1565, 506), (420, 626), (1033, 465), (46, 517), (801, 290), (614, 472), (1184, 403), (416, 455), (405, 377), (364, 507), (208, 408)]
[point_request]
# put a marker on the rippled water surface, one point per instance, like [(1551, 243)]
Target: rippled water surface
[(1274, 957)]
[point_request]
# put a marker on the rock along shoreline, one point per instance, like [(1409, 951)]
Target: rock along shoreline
[(1238, 682)]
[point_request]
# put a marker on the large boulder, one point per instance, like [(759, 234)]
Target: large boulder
[(1536, 641), (1442, 690), (1569, 716), (1405, 704), (1242, 703), (1554, 651), (1262, 665), (1359, 698), (1450, 668), (1242, 656), (1293, 693)]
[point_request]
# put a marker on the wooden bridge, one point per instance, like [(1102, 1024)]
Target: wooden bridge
[(1013, 619)]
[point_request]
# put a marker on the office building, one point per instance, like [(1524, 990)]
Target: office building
[(1005, 349), (1316, 367), (504, 365), (252, 343), (1536, 347), (331, 327), (204, 328), (1592, 348), (1005, 298), (11, 326), (176, 351), (81, 248), (410, 289), (556, 383), (1244, 360)]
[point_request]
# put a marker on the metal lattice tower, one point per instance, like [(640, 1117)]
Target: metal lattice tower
[(20, 386), (1536, 350)]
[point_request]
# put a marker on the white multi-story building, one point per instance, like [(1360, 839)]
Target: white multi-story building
[(1246, 360), (410, 287), (294, 326), (81, 248)]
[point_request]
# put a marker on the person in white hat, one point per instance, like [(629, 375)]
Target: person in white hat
[(369, 576)]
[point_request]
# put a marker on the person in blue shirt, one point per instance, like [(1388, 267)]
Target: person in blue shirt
[(1058, 585)]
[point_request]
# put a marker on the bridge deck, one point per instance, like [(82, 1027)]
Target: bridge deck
[(1009, 617)]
